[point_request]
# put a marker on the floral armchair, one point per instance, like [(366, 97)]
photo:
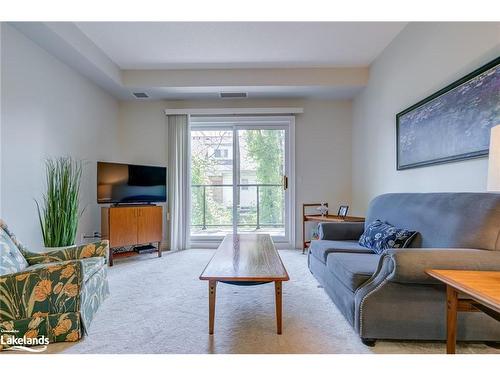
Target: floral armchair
[(53, 294)]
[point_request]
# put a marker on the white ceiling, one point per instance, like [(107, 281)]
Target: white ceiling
[(169, 60), (198, 45)]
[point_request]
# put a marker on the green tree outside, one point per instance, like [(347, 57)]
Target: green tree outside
[(265, 148)]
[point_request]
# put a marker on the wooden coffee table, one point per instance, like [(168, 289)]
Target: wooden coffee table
[(245, 259), (482, 293)]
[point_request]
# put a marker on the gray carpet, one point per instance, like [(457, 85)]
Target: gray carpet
[(158, 305)]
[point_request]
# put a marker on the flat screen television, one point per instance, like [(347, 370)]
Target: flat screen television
[(127, 183)]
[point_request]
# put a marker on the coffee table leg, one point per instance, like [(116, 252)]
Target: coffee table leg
[(451, 319), (277, 289), (211, 305)]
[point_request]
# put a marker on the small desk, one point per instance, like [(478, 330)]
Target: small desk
[(245, 259), (321, 219), (483, 294)]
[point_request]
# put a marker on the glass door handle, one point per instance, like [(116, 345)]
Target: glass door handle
[(285, 182)]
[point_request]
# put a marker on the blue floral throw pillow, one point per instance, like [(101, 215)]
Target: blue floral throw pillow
[(380, 236)]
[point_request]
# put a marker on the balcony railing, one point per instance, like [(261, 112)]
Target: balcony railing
[(257, 224)]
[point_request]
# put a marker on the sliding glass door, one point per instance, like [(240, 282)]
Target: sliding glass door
[(240, 173)]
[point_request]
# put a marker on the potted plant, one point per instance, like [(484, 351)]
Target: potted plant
[(60, 210)]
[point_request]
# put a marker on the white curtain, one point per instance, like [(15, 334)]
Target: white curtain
[(179, 189)]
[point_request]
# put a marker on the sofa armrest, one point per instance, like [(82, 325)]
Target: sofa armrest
[(409, 265), (94, 249), (40, 291), (341, 231)]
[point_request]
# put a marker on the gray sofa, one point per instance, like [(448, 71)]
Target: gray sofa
[(389, 296)]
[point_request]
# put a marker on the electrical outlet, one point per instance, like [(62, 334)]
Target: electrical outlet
[(85, 237)]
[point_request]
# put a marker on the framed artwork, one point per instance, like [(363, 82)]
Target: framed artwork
[(452, 124)]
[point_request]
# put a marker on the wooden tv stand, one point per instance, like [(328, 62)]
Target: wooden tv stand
[(131, 225)]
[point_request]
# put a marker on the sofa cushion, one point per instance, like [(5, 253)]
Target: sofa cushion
[(89, 265), (321, 248), (352, 269), (11, 258), (380, 236)]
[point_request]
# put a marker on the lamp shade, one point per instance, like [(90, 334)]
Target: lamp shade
[(494, 160)]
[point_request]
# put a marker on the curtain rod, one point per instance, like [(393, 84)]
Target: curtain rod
[(234, 111)]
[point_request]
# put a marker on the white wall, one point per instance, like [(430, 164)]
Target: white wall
[(323, 156), (143, 138), (323, 143), (48, 110), (422, 59), (143, 132)]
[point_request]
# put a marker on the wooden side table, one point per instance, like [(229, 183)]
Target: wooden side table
[(321, 219), (482, 289)]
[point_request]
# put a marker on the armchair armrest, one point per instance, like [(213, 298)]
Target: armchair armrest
[(409, 265), (40, 291), (341, 231), (94, 249)]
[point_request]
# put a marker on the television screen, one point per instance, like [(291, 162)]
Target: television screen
[(126, 183)]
